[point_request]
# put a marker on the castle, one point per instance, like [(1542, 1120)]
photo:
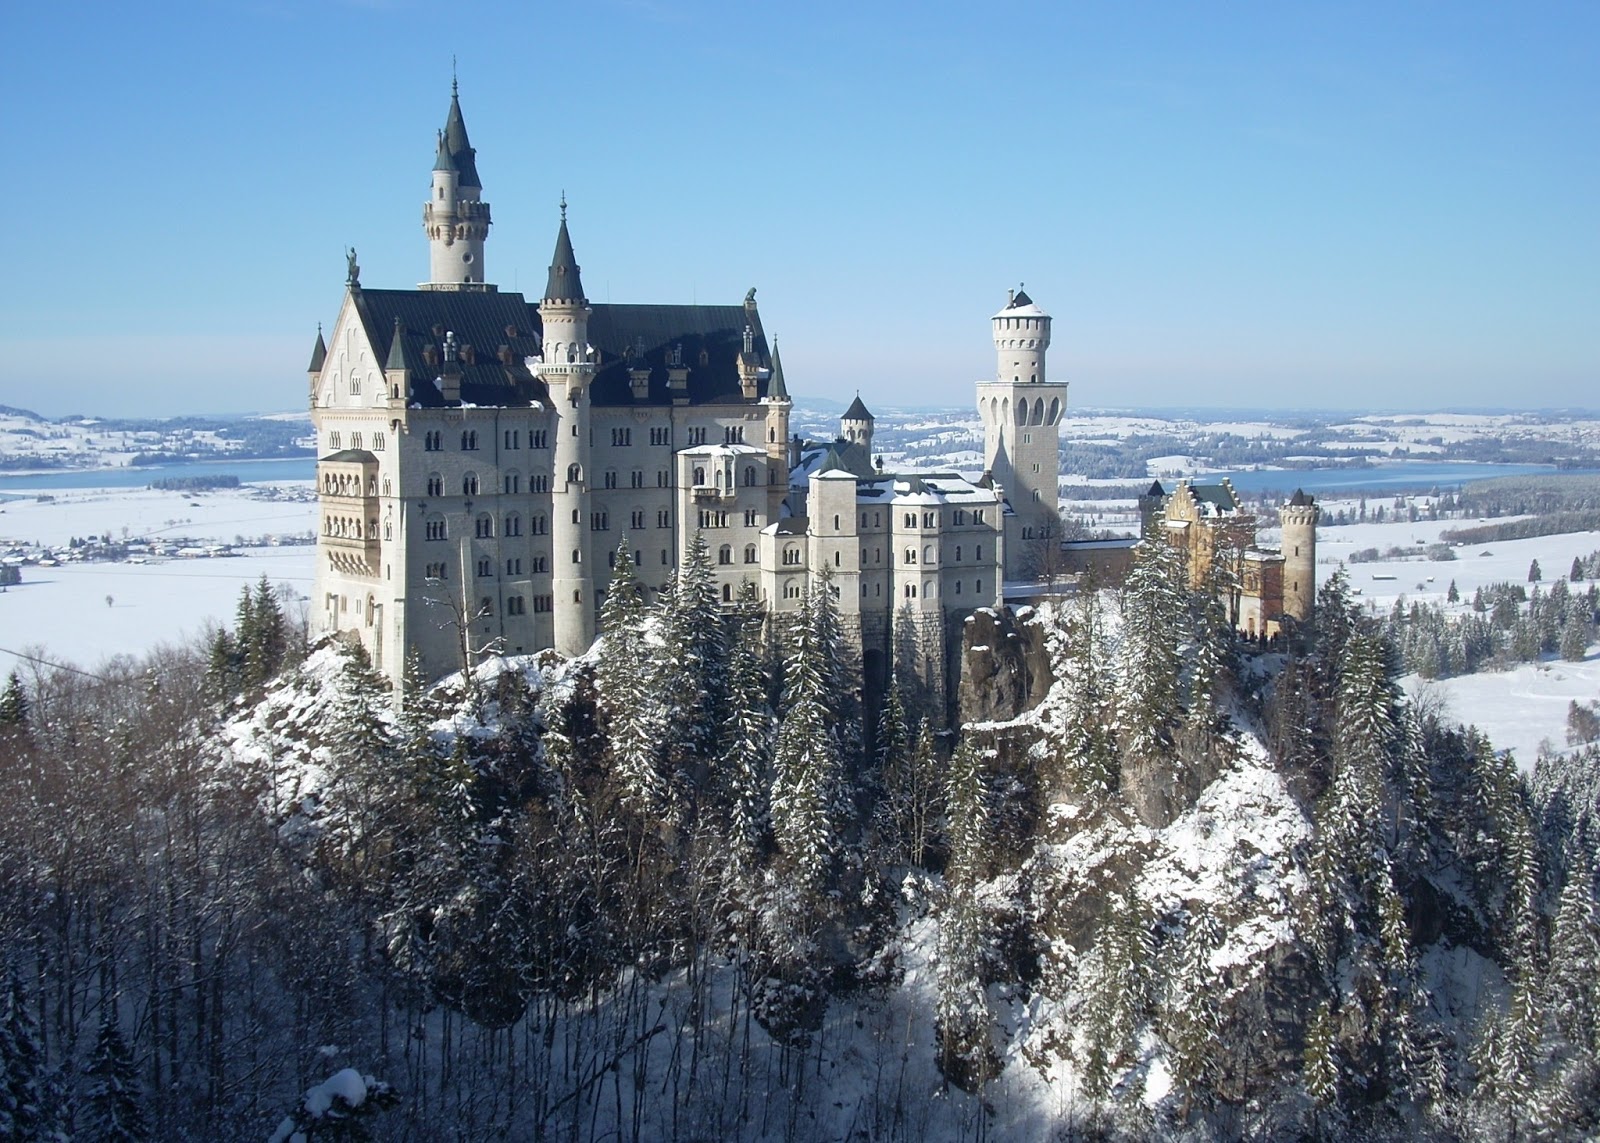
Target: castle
[(481, 455), (1267, 593)]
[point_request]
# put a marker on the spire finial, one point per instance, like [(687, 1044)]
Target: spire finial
[(455, 88), (563, 204)]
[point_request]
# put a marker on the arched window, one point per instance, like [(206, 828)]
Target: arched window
[(574, 473), (725, 554), (750, 476), (435, 484), (577, 556), (540, 525), (483, 526), (513, 525), (727, 593), (699, 476), (927, 554), (977, 553), (469, 484), (749, 553)]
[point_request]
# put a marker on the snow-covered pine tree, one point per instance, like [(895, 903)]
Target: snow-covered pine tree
[(13, 703), (1087, 746), (744, 780), (1152, 631), (1192, 1025), (692, 674), (1323, 1073), (838, 667), (1572, 983), (31, 1102), (805, 766), (1575, 635), (112, 1112), (963, 1017), (625, 675)]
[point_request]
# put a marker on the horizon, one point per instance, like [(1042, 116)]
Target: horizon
[(1274, 206)]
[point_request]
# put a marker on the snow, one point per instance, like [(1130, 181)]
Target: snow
[(63, 610), (1519, 709)]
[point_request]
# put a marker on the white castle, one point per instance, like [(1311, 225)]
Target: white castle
[(481, 456)]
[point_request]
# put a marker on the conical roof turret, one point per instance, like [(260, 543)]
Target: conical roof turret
[(455, 140), (564, 284), (442, 160), (397, 350), (857, 411), (776, 389), (319, 354)]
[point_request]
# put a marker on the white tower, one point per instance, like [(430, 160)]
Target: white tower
[(568, 368), (1021, 414), (1299, 520), (455, 216)]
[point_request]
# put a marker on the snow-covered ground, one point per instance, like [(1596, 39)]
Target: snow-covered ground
[(1517, 709), (288, 509), (62, 612)]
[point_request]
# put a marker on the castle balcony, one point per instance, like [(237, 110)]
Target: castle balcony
[(351, 474)]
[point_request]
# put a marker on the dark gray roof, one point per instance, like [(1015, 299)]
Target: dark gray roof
[(792, 526), (707, 340), (442, 161), (483, 322), (319, 354), (1219, 495), (857, 411), (351, 456), (1299, 499), (1021, 298), (564, 283), (461, 152), (1155, 489), (776, 389)]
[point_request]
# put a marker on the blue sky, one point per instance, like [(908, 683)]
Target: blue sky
[(1283, 205)]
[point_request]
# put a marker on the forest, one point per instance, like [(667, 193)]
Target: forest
[(692, 885)]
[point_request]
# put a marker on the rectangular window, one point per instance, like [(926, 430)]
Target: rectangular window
[(539, 438), (636, 519), (599, 522), (664, 518), (636, 478), (621, 438), (611, 479), (541, 565)]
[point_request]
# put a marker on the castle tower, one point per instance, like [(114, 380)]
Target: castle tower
[(455, 216), (1021, 414), (856, 425), (568, 368), (1299, 519)]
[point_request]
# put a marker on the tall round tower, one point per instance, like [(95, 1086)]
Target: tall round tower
[(1299, 519), (455, 216), (567, 367), (1021, 414)]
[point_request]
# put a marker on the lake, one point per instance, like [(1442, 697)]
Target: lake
[(248, 471)]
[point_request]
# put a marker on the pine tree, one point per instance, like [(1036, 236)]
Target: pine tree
[(1192, 1024), (113, 1112), (1152, 616), (1572, 984), (1575, 635), (1453, 595), (805, 768), (13, 703), (963, 1018), (692, 679), (1087, 745), (1576, 574), (747, 744), (31, 1102), (1322, 1070), (1534, 574), (626, 678)]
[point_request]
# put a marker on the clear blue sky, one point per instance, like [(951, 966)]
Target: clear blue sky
[(1379, 205)]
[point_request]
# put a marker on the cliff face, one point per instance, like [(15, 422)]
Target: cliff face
[(1002, 668)]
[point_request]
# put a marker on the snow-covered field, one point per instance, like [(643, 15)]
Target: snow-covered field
[(1517, 709), (62, 612)]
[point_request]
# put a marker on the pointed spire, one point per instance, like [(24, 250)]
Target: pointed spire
[(442, 161), (397, 350), (776, 389), (455, 139), (319, 353), (564, 283)]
